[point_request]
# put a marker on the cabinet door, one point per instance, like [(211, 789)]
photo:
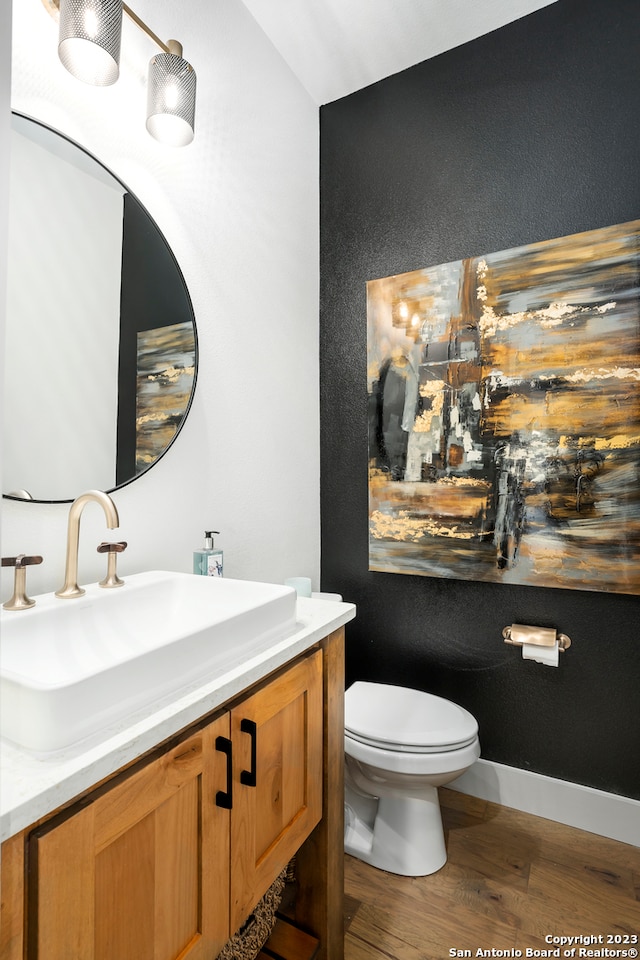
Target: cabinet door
[(277, 745), (141, 871)]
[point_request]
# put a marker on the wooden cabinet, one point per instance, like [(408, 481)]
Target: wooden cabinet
[(141, 871), (168, 861), (277, 738)]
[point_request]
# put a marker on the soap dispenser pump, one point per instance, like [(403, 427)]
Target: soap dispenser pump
[(208, 561)]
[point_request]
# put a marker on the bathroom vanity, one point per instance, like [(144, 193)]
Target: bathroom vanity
[(159, 840)]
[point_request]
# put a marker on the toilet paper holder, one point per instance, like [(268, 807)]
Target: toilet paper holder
[(520, 633)]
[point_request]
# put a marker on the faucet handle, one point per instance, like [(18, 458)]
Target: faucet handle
[(119, 547), (21, 561), (20, 600), (112, 549)]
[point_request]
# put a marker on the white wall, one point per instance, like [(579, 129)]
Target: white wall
[(239, 207)]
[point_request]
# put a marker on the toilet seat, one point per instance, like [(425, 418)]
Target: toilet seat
[(402, 720)]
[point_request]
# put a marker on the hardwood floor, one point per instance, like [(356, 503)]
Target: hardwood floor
[(511, 879)]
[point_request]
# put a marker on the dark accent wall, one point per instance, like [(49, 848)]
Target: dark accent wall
[(528, 133)]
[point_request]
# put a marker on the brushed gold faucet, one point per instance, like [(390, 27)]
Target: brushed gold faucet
[(71, 588)]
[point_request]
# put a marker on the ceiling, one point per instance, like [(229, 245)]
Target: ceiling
[(335, 47)]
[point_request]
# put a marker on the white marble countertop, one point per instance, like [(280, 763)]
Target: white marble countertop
[(32, 785)]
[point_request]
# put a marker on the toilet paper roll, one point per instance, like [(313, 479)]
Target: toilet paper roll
[(546, 655)]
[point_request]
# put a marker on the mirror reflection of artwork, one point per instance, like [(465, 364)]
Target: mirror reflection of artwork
[(504, 394), (164, 382)]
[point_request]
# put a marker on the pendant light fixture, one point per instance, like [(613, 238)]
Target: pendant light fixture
[(89, 39), (89, 48), (171, 97)]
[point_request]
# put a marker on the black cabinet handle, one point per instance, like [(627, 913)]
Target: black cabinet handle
[(248, 777), (224, 798)]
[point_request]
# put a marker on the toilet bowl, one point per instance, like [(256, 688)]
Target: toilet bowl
[(400, 746)]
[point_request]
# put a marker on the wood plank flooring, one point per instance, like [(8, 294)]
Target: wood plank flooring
[(511, 879)]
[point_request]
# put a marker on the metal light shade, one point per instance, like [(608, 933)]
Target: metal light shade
[(89, 39), (171, 98)]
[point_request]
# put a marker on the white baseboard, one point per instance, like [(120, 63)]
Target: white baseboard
[(594, 810)]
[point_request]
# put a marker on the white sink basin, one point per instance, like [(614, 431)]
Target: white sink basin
[(69, 668)]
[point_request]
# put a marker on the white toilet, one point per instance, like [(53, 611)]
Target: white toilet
[(400, 745)]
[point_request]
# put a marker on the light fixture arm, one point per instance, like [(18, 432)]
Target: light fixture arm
[(169, 47)]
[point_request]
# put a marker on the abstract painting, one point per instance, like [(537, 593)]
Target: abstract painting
[(504, 415), (164, 383)]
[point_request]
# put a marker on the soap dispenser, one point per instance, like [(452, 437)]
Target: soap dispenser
[(208, 561)]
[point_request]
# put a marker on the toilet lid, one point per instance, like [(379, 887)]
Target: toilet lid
[(398, 718)]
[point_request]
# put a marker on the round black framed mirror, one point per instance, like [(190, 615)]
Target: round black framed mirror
[(101, 348)]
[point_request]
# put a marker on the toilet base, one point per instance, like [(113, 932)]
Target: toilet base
[(402, 835)]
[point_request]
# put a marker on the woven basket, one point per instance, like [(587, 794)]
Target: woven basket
[(247, 943)]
